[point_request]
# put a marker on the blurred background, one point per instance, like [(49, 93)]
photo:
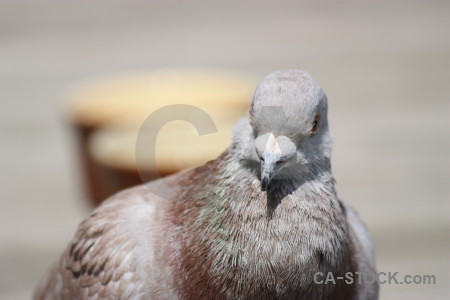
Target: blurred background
[(385, 66)]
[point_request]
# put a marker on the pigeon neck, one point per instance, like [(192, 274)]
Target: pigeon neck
[(253, 235)]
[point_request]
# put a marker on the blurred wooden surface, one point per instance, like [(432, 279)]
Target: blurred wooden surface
[(385, 66)]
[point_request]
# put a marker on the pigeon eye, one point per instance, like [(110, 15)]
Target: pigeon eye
[(315, 124)]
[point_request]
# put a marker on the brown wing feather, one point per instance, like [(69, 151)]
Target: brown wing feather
[(103, 259)]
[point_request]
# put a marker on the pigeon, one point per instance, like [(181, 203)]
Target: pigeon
[(262, 221)]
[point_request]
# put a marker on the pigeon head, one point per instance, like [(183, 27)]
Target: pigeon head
[(288, 116)]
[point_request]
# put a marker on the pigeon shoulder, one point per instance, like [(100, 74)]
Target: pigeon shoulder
[(114, 252), (364, 253)]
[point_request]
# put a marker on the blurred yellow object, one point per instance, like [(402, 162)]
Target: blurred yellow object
[(178, 146), (108, 114), (105, 99)]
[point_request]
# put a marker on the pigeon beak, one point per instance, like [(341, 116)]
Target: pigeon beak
[(265, 180), (267, 172), (269, 157)]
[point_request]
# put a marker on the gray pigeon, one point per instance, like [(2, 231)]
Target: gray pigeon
[(262, 221)]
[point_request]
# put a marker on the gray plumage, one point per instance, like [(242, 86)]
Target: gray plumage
[(256, 223)]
